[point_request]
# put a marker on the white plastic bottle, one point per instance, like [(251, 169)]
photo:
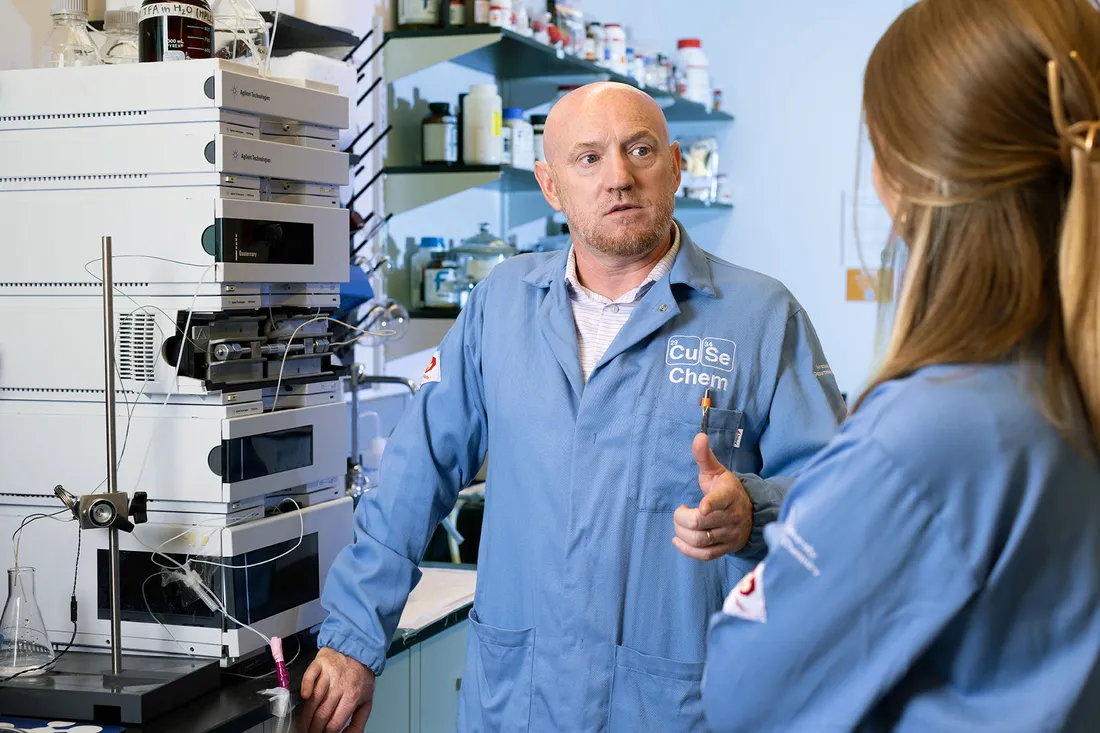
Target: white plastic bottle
[(695, 72), (502, 15), (538, 125), (69, 43), (481, 125), (522, 137), (615, 53), (522, 20)]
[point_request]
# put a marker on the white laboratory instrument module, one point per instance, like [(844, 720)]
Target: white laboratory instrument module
[(207, 196)]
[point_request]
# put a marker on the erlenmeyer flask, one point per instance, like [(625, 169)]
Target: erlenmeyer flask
[(24, 643)]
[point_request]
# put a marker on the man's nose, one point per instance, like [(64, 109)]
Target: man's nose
[(620, 174)]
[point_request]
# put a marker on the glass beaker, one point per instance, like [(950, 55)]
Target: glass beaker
[(24, 642), (479, 254)]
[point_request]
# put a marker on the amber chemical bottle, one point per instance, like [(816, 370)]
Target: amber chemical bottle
[(175, 30)]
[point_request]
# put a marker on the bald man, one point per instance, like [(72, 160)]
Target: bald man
[(612, 530)]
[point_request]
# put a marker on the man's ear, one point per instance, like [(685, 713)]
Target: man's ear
[(546, 183), (677, 162)]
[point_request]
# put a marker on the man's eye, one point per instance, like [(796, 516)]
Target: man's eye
[(642, 151), (589, 159)]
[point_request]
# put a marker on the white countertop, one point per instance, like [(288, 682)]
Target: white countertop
[(439, 592)]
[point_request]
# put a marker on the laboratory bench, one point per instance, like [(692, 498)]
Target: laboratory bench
[(416, 693)]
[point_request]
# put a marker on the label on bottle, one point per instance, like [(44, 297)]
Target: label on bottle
[(437, 291), (506, 142), (177, 10), (175, 32), (478, 268), (498, 123), (440, 142), (419, 12)]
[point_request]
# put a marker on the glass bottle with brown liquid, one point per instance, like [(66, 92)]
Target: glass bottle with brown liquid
[(176, 30)]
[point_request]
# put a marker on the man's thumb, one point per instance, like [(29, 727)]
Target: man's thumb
[(704, 456)]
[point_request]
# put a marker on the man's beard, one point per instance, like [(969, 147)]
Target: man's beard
[(608, 240)]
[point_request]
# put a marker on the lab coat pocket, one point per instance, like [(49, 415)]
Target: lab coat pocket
[(665, 471), (496, 691), (655, 694)]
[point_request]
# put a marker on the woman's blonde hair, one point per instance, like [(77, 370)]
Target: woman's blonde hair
[(985, 119)]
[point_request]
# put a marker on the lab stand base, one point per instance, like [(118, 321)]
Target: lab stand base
[(82, 687)]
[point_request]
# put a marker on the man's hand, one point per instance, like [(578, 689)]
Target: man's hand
[(335, 688), (722, 522)]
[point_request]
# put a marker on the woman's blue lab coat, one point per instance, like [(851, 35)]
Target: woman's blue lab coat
[(936, 568), (586, 617)]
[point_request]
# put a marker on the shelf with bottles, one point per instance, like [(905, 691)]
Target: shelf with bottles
[(491, 50), (509, 55), (294, 34), (410, 187)]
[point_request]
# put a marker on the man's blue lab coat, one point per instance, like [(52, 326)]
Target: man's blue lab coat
[(586, 617), (936, 568)]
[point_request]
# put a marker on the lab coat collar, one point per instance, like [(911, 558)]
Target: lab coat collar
[(692, 267)]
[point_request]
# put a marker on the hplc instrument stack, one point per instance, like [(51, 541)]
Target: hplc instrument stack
[(220, 191)]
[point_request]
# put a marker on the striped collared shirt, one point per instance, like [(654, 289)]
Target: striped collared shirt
[(599, 319)]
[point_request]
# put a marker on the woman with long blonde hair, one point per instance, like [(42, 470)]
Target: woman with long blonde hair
[(937, 567)]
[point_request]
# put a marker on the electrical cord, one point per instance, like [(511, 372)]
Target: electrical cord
[(217, 603), (130, 408), (149, 608), (271, 41), (286, 352), (189, 573), (140, 308), (301, 538), (179, 362), (27, 520)]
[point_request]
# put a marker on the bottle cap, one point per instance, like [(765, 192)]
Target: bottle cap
[(120, 19), (689, 43), (513, 113), (538, 119), (485, 89), (440, 108), (69, 6)]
